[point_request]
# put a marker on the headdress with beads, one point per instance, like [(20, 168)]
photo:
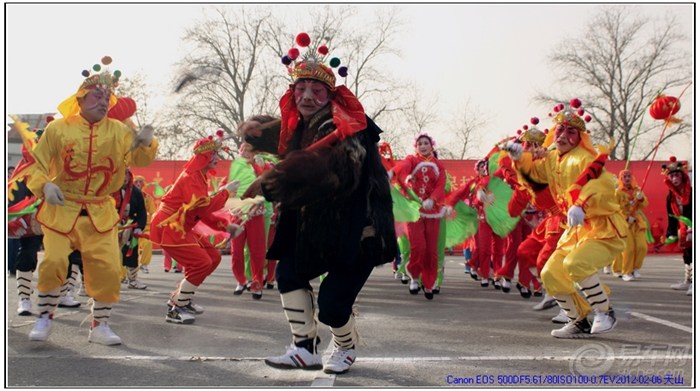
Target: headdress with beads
[(204, 149), (426, 135), (310, 63), (98, 77), (531, 133), (673, 166), (573, 115), (348, 114)]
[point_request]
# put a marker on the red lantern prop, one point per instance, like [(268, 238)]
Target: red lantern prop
[(125, 108), (664, 107)]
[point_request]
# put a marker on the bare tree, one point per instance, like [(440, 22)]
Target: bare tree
[(618, 66), (467, 123), (135, 88)]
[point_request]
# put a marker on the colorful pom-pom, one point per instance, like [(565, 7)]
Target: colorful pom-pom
[(561, 106), (525, 127), (220, 132), (519, 132), (575, 103), (550, 114), (106, 60), (335, 61), (118, 73), (302, 65), (85, 73), (556, 109), (672, 159), (546, 131), (96, 67), (534, 120), (293, 53), (49, 118), (580, 112), (290, 70), (210, 137), (323, 50), (286, 60), (587, 118), (303, 39), (226, 148), (343, 71)]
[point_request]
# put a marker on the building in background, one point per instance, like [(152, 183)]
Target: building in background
[(12, 140)]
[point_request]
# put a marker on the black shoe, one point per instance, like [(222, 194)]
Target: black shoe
[(524, 292), (240, 289), (269, 286), (257, 295), (436, 291), (177, 271), (166, 270), (537, 293), (428, 295)]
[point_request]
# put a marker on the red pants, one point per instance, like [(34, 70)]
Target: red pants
[(513, 240), (423, 261), (254, 236), (168, 262), (489, 249), (536, 249), (271, 263), (199, 260)]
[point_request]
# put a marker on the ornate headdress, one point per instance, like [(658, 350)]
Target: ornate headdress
[(309, 65), (531, 134), (673, 166), (573, 115), (204, 149), (98, 77), (348, 114), (424, 135)]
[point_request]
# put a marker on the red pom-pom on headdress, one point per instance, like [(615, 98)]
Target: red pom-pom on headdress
[(49, 118), (672, 159), (534, 120), (303, 39), (575, 103), (293, 53), (220, 132), (323, 49)]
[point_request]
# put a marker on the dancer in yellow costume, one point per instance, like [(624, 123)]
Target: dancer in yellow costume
[(80, 160), (596, 229), (632, 201), (145, 244)]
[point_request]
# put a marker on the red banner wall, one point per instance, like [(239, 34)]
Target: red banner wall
[(164, 173)]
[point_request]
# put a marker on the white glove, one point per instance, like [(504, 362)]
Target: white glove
[(631, 220), (515, 150), (428, 204), (53, 194), (390, 174), (575, 216), (487, 198), (137, 231), (640, 195), (259, 160), (449, 211), (144, 136), (409, 179), (232, 187)]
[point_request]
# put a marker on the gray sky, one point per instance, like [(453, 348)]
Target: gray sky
[(493, 55)]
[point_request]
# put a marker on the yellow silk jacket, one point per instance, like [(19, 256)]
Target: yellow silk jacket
[(87, 162), (632, 207), (604, 219)]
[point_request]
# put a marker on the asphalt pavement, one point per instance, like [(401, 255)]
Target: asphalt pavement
[(468, 336)]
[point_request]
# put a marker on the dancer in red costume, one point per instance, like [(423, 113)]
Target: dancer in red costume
[(186, 203), (679, 203), (425, 174)]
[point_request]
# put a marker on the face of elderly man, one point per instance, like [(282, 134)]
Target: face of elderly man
[(95, 105), (310, 96), (566, 138)]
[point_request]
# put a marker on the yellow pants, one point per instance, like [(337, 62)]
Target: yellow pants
[(102, 260), (635, 250), (145, 251), (575, 261)]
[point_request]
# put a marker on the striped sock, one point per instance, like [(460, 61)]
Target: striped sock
[(592, 288)]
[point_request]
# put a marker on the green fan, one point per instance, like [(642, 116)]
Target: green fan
[(243, 172), (405, 210), (497, 215), (463, 226)]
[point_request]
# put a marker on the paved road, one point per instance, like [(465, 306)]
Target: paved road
[(468, 336)]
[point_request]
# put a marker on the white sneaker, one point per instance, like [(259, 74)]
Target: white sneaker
[(193, 308), (24, 307), (41, 329), (636, 273), (681, 286), (296, 358), (616, 274), (136, 284), (104, 335), (340, 360), (690, 290), (575, 329), (68, 301), (603, 322), (607, 270), (628, 277), (144, 269), (413, 287), (561, 317), (546, 303), (179, 315)]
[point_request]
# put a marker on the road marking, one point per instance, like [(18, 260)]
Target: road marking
[(661, 321), (325, 379)]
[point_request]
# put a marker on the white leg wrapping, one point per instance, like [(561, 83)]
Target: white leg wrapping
[(48, 301), (346, 336), (566, 302), (24, 284), (299, 308), (592, 288), (184, 293), (101, 311)]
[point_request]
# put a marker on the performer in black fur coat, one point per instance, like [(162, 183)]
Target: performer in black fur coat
[(335, 209)]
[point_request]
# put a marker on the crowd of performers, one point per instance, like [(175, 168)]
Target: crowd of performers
[(540, 202)]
